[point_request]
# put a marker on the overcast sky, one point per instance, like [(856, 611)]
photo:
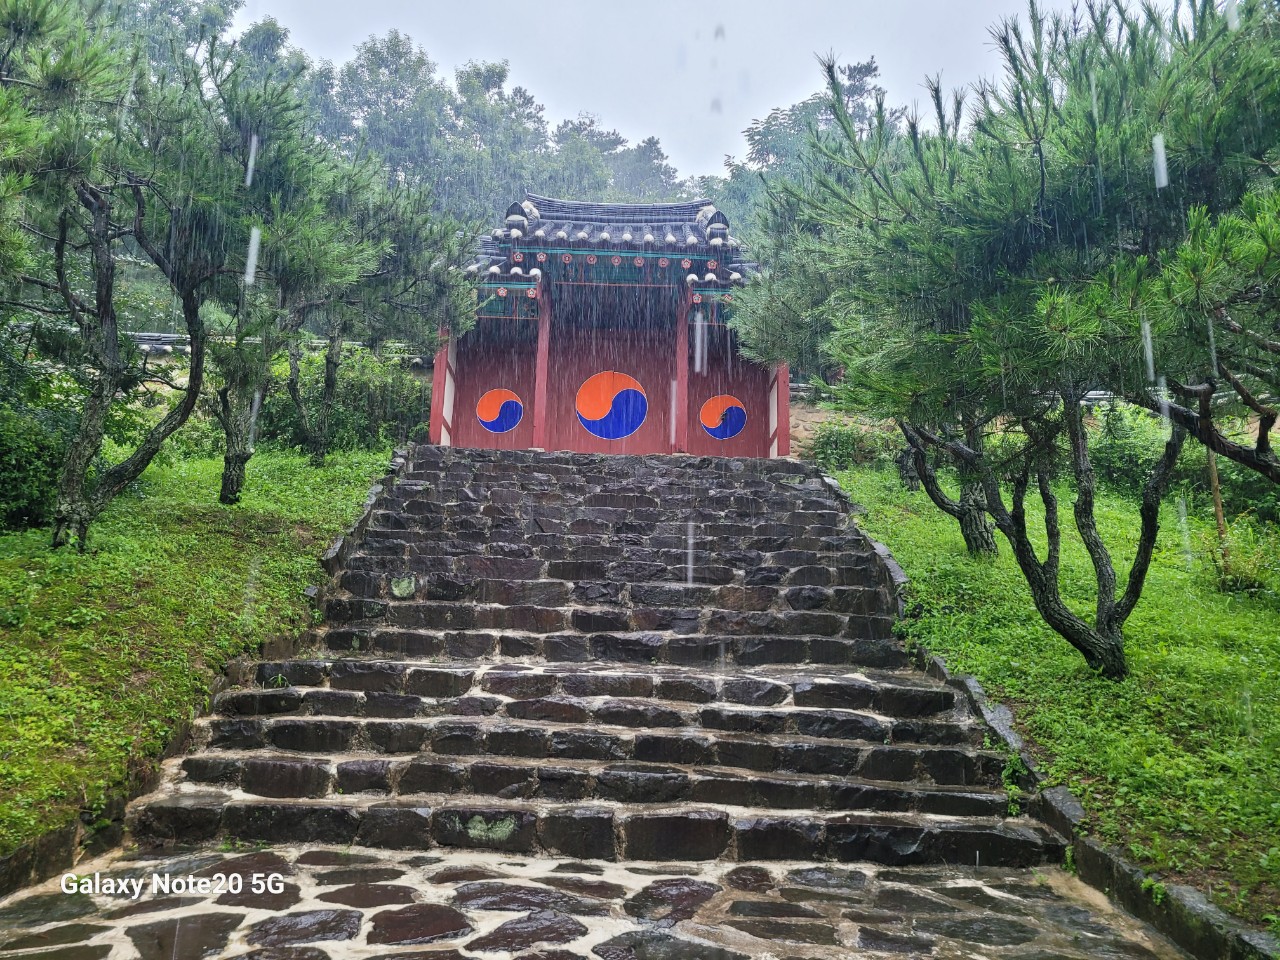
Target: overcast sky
[(694, 75)]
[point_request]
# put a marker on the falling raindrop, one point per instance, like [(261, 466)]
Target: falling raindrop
[(1162, 388), (253, 159), (688, 574), (251, 261), (1161, 164), (1148, 351), (673, 414), (699, 344), (1213, 346), (1232, 11)]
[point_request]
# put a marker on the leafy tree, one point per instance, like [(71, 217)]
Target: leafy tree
[(385, 266), (132, 166), (167, 31), (779, 147), (477, 142), (988, 281)]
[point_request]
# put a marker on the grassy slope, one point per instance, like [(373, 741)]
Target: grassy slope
[(102, 654), (1179, 764)]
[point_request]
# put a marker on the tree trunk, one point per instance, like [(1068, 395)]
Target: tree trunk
[(970, 511), (907, 470), (73, 511), (975, 525), (239, 404), (233, 475), (1102, 646), (320, 435), (239, 449)]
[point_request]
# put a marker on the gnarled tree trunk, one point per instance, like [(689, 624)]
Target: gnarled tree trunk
[(970, 511), (238, 413)]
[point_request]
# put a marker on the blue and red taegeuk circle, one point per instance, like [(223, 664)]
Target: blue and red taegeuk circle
[(500, 410), (723, 416), (611, 405)]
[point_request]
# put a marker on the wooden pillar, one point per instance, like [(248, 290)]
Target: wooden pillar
[(680, 396), (439, 378), (780, 412), (784, 410), (542, 369)]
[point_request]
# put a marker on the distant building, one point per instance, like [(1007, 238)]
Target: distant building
[(600, 328)]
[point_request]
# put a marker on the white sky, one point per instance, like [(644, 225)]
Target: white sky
[(693, 75)]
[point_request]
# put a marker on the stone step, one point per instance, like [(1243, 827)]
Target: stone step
[(423, 517), (495, 736), (287, 776), (844, 725), (444, 499), (598, 830), (878, 649), (567, 541), (558, 464), (592, 594), (874, 699), (485, 559), (534, 618)]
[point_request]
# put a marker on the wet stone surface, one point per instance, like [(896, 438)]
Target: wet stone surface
[(361, 904)]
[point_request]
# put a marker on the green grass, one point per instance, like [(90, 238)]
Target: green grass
[(103, 655), (1179, 765)]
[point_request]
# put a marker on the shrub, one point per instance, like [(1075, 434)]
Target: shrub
[(839, 445), (200, 438), (31, 449), (1128, 440), (378, 400), (1246, 561)]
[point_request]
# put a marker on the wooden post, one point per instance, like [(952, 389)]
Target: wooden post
[(784, 410), (680, 404), (780, 411), (542, 369), (440, 374), (1224, 551)]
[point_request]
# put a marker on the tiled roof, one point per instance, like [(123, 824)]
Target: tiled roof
[(689, 230)]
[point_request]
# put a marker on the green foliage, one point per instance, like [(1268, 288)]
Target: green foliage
[(1246, 561), (103, 654), (1180, 763), (201, 438), (1131, 438), (474, 140), (838, 445), (30, 456), (1128, 441), (378, 401)]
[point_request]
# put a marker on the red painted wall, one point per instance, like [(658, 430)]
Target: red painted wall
[(495, 353), (647, 355), (725, 372), (502, 354)]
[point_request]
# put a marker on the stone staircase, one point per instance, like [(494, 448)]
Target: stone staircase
[(614, 658)]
